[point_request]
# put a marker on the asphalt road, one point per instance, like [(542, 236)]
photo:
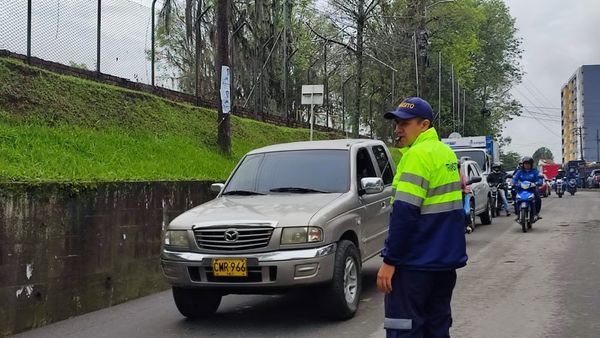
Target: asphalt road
[(540, 284)]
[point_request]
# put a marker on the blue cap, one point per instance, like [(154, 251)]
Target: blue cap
[(410, 108)]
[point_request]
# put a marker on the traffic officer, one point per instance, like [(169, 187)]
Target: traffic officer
[(426, 240)]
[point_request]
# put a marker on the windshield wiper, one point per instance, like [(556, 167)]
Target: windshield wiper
[(298, 190), (242, 192)]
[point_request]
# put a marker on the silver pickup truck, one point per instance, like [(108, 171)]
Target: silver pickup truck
[(290, 215)]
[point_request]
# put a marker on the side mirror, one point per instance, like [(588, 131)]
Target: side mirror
[(217, 187), (475, 179), (372, 185)]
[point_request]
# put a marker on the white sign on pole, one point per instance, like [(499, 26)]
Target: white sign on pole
[(312, 95), (225, 89)]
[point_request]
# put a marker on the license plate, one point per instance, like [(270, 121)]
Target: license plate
[(230, 267)]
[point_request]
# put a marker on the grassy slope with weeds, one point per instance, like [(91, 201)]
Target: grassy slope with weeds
[(60, 128)]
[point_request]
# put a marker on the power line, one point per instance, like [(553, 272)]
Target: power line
[(536, 88), (545, 108), (537, 119)]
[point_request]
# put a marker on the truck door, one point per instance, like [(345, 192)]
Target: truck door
[(376, 210)]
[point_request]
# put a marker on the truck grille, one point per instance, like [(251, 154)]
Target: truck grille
[(233, 238)]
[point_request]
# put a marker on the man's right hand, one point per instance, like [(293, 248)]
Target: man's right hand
[(384, 277)]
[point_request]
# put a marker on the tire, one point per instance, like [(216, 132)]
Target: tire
[(523, 219), (486, 216), (531, 219), (341, 297), (494, 209), (196, 303)]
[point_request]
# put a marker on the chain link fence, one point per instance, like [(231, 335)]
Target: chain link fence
[(108, 36), (107, 40)]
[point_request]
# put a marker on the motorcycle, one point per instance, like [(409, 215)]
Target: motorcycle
[(559, 187), (572, 186), (526, 204), (497, 198)]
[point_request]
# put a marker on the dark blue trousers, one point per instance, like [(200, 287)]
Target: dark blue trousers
[(419, 304)]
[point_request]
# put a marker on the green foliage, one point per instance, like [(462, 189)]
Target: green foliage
[(542, 153), (59, 128)]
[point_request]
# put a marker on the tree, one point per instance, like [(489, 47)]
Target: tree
[(542, 153), (510, 160)]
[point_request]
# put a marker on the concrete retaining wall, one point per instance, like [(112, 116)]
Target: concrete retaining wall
[(70, 249)]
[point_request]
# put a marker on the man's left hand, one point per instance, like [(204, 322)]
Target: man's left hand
[(384, 277)]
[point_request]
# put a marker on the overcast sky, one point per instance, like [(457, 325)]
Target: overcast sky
[(558, 37)]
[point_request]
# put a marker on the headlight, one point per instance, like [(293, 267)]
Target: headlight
[(301, 235), (176, 239)]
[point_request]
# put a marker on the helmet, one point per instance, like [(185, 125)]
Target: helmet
[(561, 170), (527, 159), (496, 167)]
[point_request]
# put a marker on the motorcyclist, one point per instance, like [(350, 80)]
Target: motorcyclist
[(498, 177), (561, 175), (529, 173), (573, 174)]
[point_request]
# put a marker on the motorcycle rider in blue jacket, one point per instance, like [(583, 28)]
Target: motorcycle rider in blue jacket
[(528, 173)]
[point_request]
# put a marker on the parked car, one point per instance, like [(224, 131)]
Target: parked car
[(290, 215), (593, 181), (545, 189), (481, 201)]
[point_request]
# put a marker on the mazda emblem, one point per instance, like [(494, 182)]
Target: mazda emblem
[(231, 235)]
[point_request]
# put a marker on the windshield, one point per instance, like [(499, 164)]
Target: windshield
[(475, 155), (302, 171)]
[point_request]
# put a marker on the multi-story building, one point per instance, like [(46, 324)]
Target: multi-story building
[(580, 113)]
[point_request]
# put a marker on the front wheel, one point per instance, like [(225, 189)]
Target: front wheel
[(486, 217), (341, 297), (523, 219), (196, 303)]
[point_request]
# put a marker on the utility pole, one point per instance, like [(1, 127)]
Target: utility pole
[(579, 132), (440, 91), (286, 25), (464, 110), (326, 84), (222, 14), (416, 62), (422, 42), (458, 106), (453, 102)]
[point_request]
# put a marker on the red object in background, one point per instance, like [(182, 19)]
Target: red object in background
[(544, 189), (550, 170)]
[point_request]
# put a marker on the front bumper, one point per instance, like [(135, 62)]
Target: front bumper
[(271, 270)]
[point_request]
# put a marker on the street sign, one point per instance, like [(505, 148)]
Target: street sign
[(225, 90), (312, 95)]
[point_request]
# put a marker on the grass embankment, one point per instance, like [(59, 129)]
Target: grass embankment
[(60, 128)]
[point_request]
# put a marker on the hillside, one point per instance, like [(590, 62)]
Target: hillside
[(60, 128)]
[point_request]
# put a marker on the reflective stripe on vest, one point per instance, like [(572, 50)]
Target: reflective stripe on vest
[(427, 176)]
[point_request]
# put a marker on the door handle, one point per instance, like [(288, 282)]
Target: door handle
[(383, 205)]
